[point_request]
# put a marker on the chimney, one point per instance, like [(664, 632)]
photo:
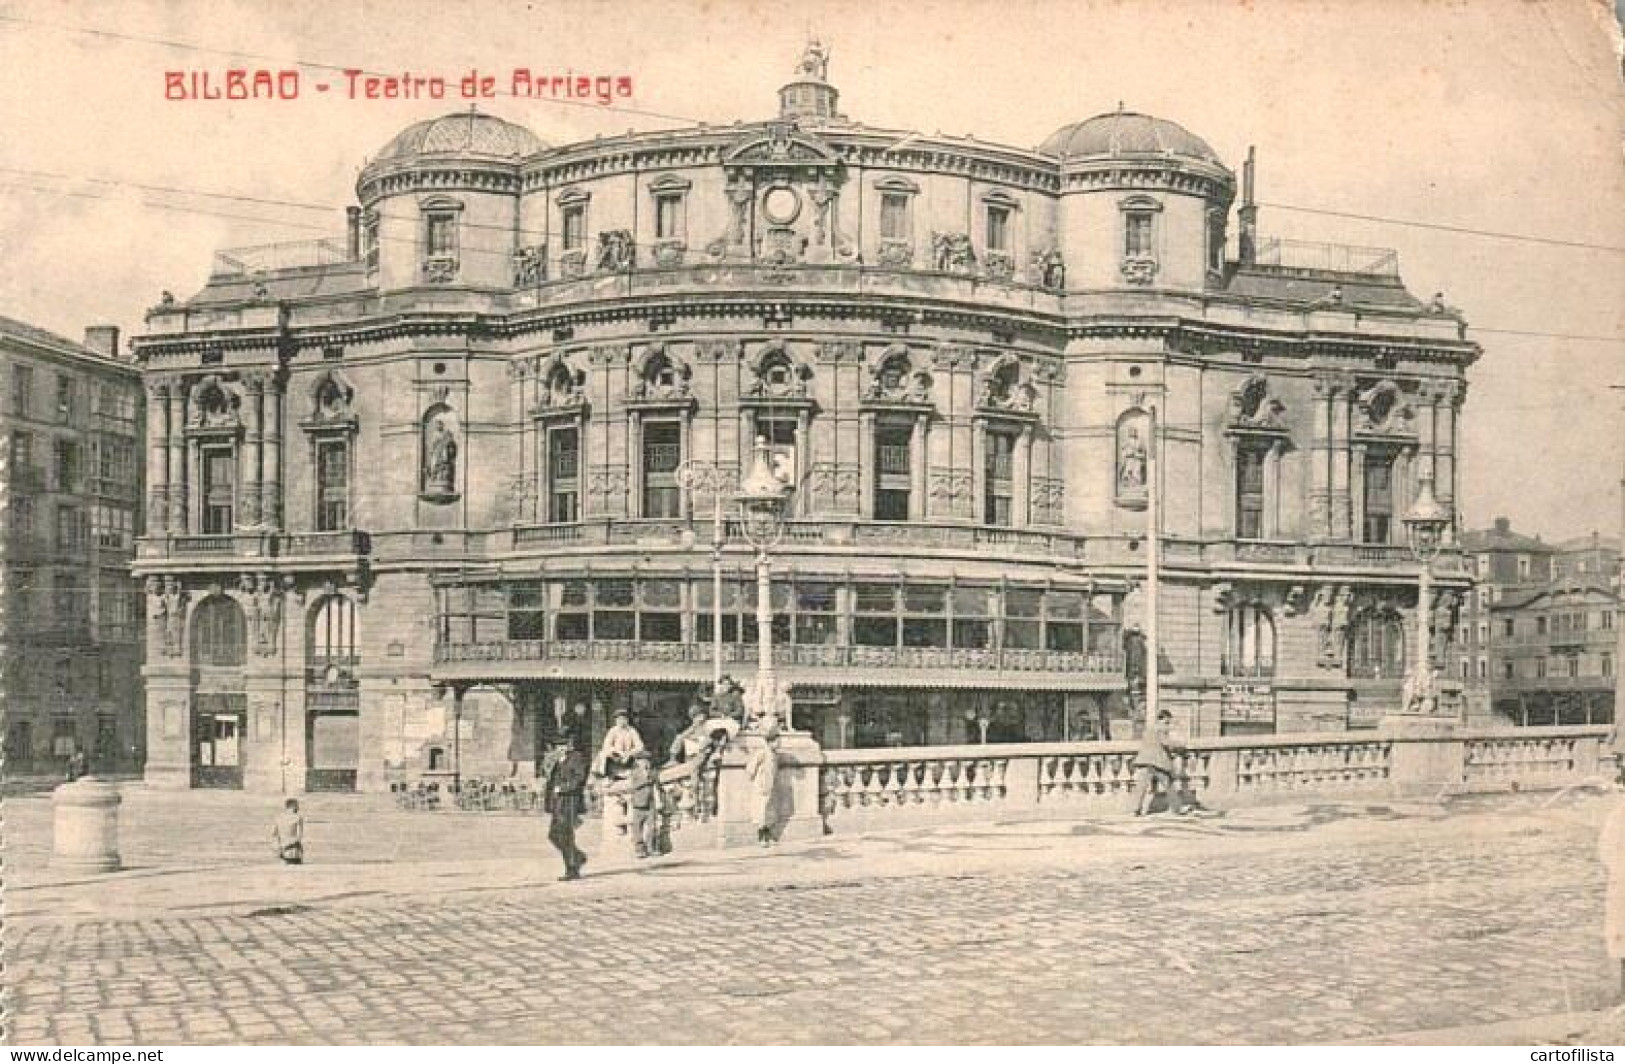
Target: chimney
[(1248, 214), (1503, 526), (102, 339), (352, 232)]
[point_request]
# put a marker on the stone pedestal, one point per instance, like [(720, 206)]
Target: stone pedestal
[(85, 831), (801, 761), (1426, 760)]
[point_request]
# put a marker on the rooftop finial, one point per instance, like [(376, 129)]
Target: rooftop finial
[(814, 60)]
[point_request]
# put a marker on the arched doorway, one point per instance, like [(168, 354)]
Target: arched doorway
[(219, 648)]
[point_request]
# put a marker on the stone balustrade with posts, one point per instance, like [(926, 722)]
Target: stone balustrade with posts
[(844, 792)]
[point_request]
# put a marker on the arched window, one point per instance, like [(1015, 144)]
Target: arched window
[(333, 633), (1377, 646), (1249, 641), (219, 637)]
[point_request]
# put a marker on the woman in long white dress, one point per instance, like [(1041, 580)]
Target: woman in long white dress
[(763, 772)]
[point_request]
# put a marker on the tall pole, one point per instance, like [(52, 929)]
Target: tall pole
[(764, 628), (1424, 617), (716, 587), (1153, 561)]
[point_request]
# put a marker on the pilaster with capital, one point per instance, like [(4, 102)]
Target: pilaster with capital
[(248, 460), (179, 504), (271, 443), (158, 460)]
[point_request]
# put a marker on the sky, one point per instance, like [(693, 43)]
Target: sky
[(1500, 116)]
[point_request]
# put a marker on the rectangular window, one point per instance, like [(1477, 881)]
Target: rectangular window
[(1250, 492), (563, 475), (1137, 235), (219, 490), (1001, 451), (668, 217), (1379, 498), (22, 391), (1063, 621), (662, 454), (1573, 661), (1509, 670), (1023, 619), (893, 471), (614, 616), (111, 525), (1608, 665), (998, 228), (925, 616), (332, 485), (369, 240), (571, 612), (1540, 626), (69, 528), (660, 614), (575, 227), (816, 615), (874, 615), (1540, 668), (66, 454), (1509, 627), (972, 617), (67, 398), (441, 237), (22, 517), (1607, 620), (783, 452), (705, 611), (1483, 668), (22, 452), (894, 221)]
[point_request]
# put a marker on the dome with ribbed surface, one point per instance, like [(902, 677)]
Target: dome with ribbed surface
[(1127, 133), (462, 133)]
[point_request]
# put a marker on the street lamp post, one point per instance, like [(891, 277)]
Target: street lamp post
[(695, 475), (1424, 527), (762, 499)]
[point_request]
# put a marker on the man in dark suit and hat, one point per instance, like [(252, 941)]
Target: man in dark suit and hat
[(565, 799)]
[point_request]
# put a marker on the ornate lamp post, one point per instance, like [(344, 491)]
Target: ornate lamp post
[(695, 475), (762, 499), (1424, 528)]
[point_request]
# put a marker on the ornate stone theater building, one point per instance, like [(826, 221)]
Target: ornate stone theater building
[(414, 494)]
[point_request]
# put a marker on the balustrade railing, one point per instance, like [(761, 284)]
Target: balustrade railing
[(1526, 760), (865, 789), (1313, 766)]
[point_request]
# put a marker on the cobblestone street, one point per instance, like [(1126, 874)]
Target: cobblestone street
[(1320, 923)]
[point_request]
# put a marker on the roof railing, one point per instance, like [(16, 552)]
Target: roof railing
[(292, 255), (1331, 258)]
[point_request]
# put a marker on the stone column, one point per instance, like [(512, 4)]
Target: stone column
[(1021, 479), (1320, 462), (158, 460), (919, 483), (176, 421), (271, 479), (1427, 437), (978, 469), (1357, 490), (1444, 461), (248, 458), (866, 466), (1342, 418)]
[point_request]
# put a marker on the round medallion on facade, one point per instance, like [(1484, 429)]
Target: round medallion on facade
[(781, 204)]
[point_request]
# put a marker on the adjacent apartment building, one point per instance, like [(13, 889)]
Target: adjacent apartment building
[(1539, 639), (71, 486), (417, 491)]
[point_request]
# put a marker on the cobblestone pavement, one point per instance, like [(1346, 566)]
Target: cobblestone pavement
[(1201, 934)]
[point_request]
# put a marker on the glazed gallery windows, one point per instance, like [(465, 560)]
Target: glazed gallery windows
[(805, 612)]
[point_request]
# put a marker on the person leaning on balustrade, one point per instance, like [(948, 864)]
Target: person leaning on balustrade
[(1611, 849)]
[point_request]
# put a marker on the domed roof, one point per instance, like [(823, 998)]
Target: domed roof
[(1127, 133), (462, 133)]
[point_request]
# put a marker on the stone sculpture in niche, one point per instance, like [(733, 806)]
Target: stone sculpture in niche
[(615, 251), (440, 454)]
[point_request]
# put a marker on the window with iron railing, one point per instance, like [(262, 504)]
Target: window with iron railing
[(219, 490), (662, 454), (1377, 526), (1250, 491), (332, 485)]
